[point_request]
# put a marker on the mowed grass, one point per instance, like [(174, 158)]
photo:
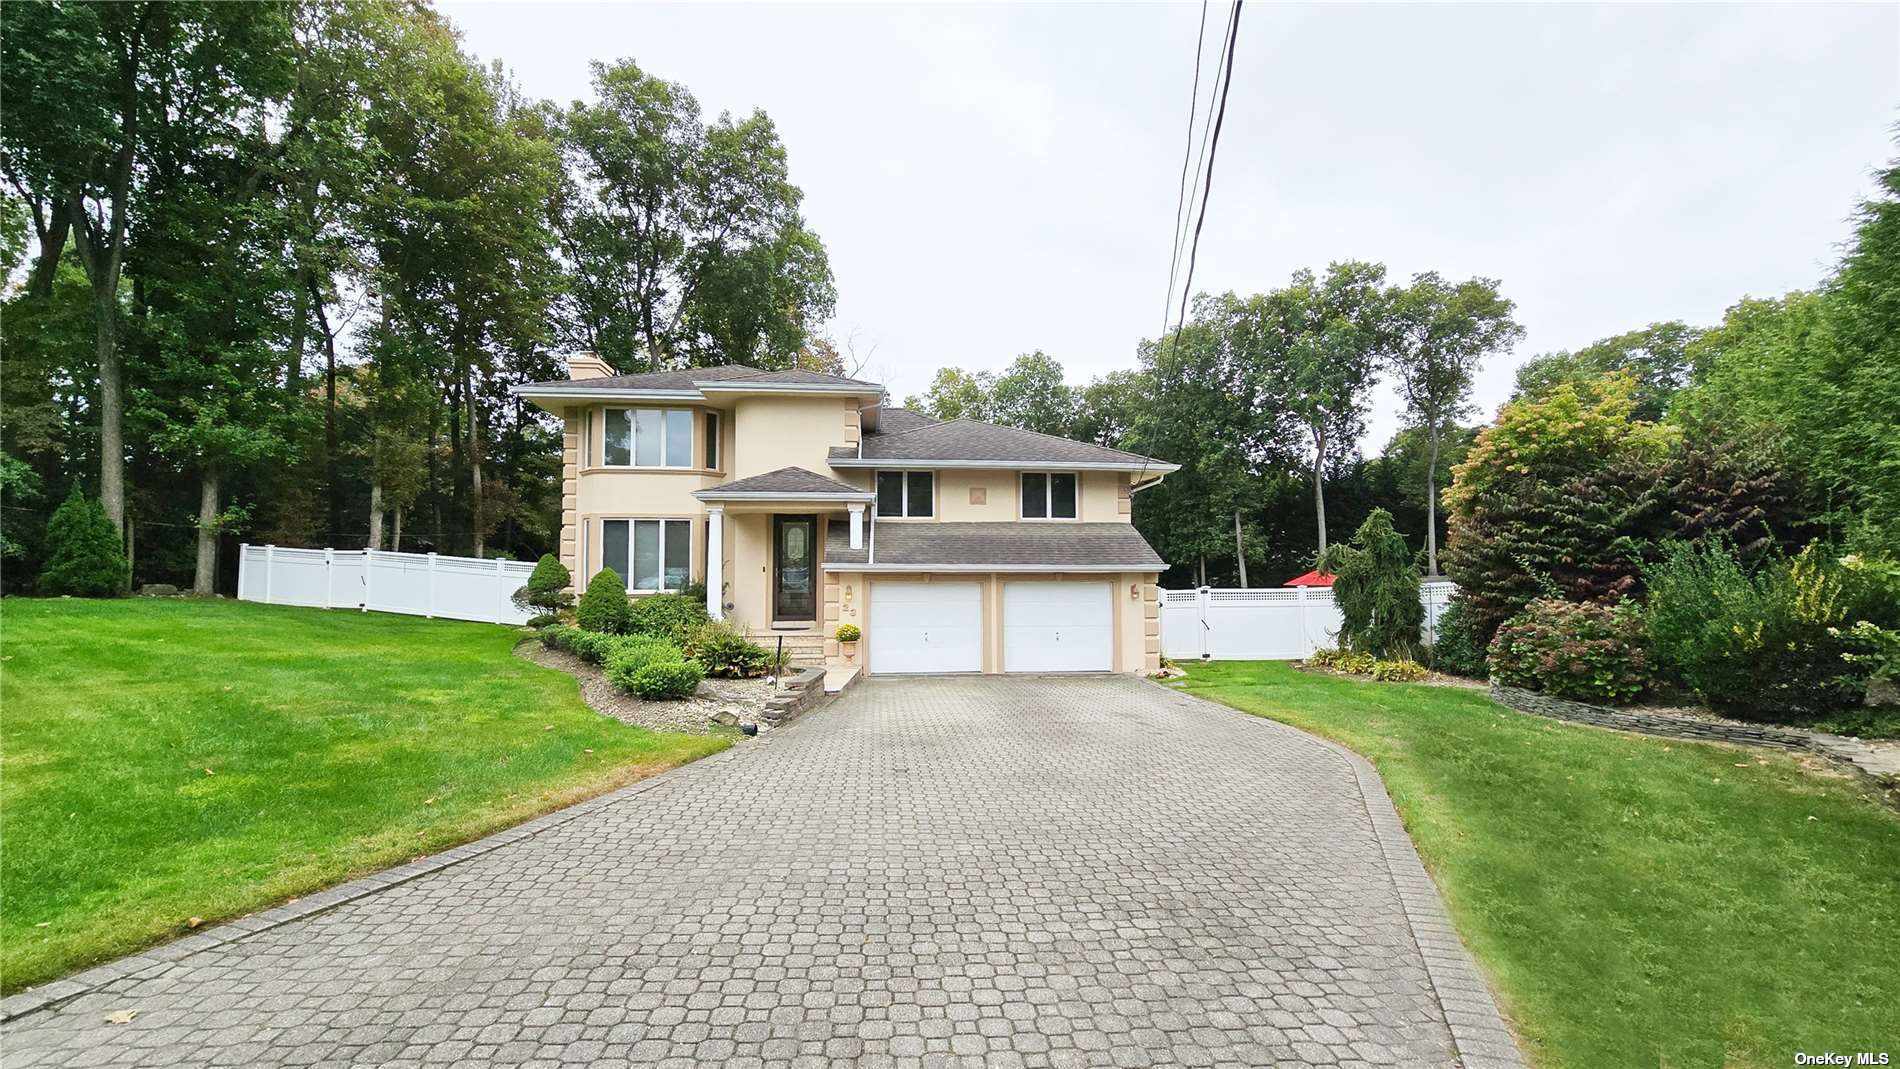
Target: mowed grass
[(165, 759), (1635, 901)]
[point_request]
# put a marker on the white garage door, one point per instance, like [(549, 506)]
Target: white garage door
[(1058, 627), (926, 627)]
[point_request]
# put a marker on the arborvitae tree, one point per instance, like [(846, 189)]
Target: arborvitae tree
[(85, 557), (1375, 586), (605, 607)]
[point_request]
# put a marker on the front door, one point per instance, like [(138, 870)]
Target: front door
[(794, 568)]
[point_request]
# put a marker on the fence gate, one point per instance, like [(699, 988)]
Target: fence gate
[(1267, 623)]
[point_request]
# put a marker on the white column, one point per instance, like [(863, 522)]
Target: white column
[(857, 526), (244, 560), (715, 562)]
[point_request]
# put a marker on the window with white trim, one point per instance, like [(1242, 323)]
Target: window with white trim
[(1049, 495), (648, 438), (648, 554), (906, 493)]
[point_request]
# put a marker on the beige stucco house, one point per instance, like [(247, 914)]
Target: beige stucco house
[(804, 502)]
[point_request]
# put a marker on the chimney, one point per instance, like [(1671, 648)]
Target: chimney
[(588, 366)]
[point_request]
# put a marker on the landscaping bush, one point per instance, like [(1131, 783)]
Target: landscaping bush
[(544, 620), (604, 607), (1456, 649), (84, 555), (1777, 642), (724, 650), (546, 589), (668, 616), (666, 680), (1581, 651), (591, 646), (1561, 497), (1398, 671), (1342, 661), (1375, 585), (635, 652)]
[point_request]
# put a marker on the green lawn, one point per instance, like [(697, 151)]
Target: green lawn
[(165, 759), (1636, 902)]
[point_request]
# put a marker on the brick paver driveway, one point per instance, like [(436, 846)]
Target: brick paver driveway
[(1083, 871)]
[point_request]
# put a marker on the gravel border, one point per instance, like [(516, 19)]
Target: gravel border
[(1477, 1027), (743, 698)]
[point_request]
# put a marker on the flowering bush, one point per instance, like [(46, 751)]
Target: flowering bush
[(1582, 651), (849, 633)]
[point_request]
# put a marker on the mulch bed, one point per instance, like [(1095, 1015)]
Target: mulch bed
[(743, 698)]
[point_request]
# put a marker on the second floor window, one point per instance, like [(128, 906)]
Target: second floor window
[(906, 493), (1048, 496), (648, 438)]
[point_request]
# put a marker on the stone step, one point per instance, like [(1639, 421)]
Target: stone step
[(802, 649)]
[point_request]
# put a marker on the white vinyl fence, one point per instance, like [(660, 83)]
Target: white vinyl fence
[(418, 584), (1265, 624)]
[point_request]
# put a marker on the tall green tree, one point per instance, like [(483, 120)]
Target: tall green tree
[(91, 91), (956, 394), (1316, 347), (1030, 394), (1660, 358), (682, 239), (1441, 332)]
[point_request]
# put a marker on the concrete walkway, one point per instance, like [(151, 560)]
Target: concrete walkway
[(944, 871)]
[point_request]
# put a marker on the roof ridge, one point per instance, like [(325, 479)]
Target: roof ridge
[(1052, 437)]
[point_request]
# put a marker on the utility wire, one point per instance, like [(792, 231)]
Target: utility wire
[(1200, 163), (1220, 117), (1181, 186)]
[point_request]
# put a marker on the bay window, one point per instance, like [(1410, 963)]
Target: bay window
[(648, 438), (1049, 495), (648, 554)]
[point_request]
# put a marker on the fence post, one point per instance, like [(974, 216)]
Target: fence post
[(1200, 606), (1306, 642), (329, 575), (501, 586), (244, 553), (369, 569), (431, 584), (270, 565)]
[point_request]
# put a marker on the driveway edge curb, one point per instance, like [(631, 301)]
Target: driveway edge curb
[(1478, 1031), (151, 962)]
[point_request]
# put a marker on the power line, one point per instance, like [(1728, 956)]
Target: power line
[(1200, 163), (1181, 186), (1220, 117)]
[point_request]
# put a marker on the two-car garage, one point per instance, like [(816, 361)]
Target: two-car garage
[(939, 625)]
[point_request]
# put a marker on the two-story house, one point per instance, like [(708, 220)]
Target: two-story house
[(803, 501)]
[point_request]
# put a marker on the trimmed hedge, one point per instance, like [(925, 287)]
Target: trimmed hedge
[(666, 680), (633, 654), (604, 607)]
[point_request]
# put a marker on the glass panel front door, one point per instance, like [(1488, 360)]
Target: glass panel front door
[(795, 568)]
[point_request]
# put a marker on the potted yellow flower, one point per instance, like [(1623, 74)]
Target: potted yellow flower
[(848, 636)]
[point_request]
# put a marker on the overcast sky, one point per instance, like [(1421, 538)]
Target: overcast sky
[(991, 180)]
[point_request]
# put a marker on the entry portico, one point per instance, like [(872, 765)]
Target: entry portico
[(789, 511)]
